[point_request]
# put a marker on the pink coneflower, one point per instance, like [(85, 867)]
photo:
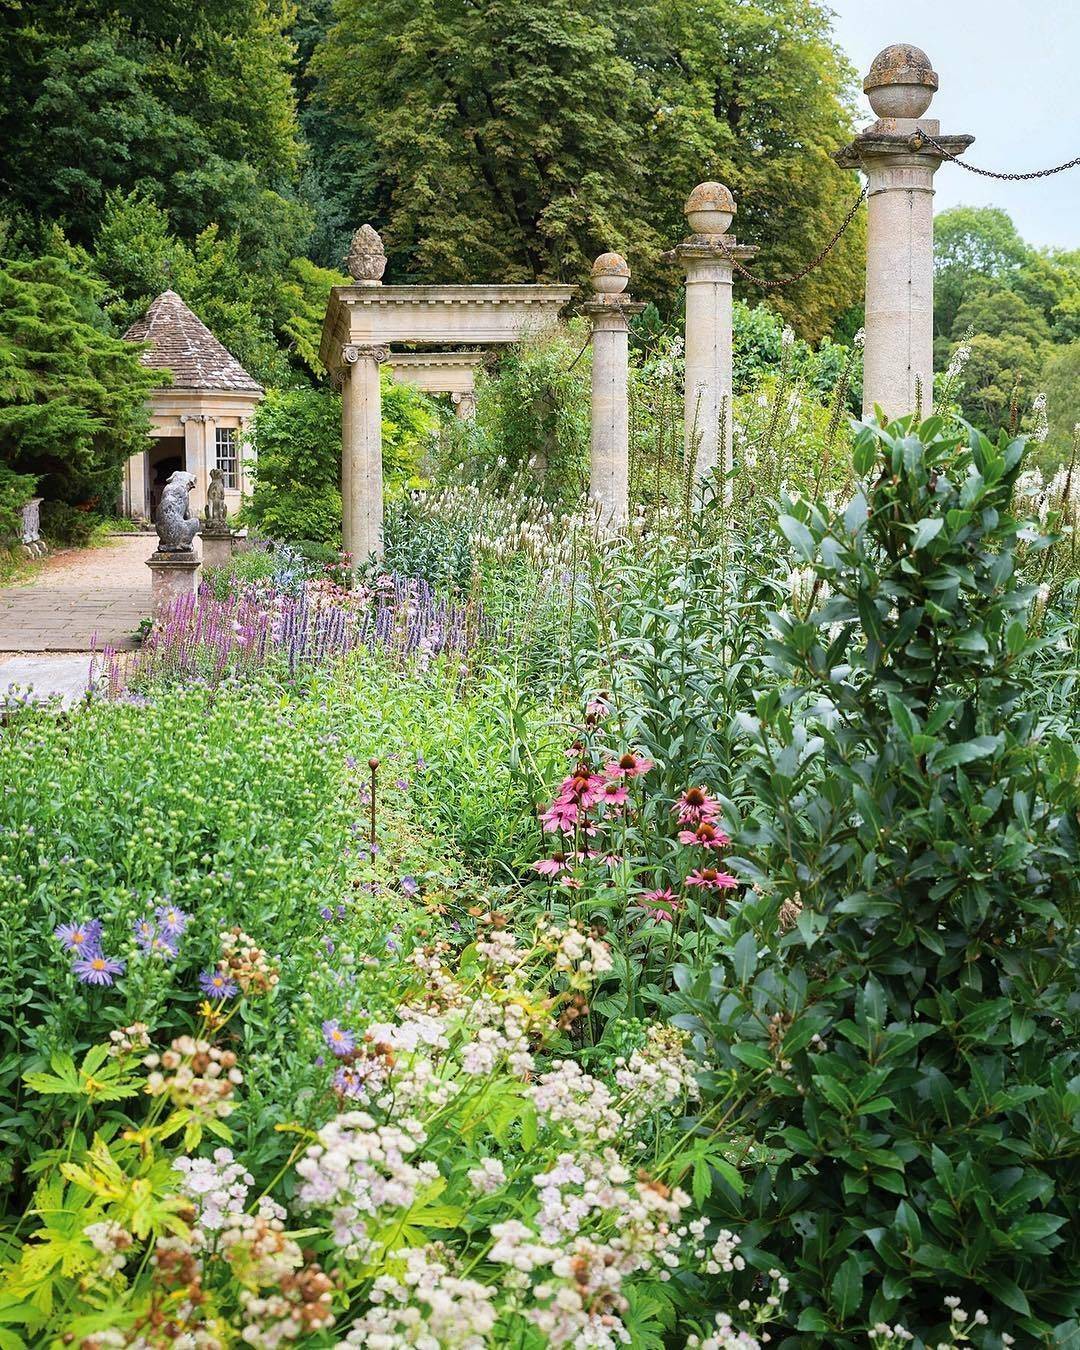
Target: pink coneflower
[(614, 792), (629, 765), (709, 879), (560, 815), (707, 835), (97, 969), (550, 867), (660, 905), (695, 805)]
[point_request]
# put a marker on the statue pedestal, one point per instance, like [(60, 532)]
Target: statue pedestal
[(172, 575), (217, 547)]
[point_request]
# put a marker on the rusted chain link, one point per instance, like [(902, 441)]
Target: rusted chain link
[(922, 136), (771, 283)]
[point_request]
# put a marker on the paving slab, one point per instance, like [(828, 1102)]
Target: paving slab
[(79, 598), (42, 677)]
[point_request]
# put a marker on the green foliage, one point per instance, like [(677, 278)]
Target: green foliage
[(192, 106), (894, 1005), (16, 489), (559, 133), (1061, 382), (66, 525), (296, 491), (72, 397), (138, 256)]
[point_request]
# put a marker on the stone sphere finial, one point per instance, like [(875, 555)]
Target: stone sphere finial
[(367, 259), (610, 274), (901, 82), (709, 209)]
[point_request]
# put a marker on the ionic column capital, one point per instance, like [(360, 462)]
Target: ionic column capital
[(351, 353)]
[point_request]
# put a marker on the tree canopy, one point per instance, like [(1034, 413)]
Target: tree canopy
[(516, 141)]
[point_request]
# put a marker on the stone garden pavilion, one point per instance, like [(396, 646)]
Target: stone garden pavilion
[(198, 421)]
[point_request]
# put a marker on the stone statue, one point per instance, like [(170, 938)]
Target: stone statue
[(176, 527), (216, 510)]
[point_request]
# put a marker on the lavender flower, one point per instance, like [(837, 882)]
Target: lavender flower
[(410, 887), (338, 1038), (97, 969), (216, 985), (84, 938)]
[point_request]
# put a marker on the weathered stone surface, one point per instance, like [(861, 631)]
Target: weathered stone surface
[(171, 576), (175, 526), (709, 209), (366, 260), (901, 82), (214, 517)]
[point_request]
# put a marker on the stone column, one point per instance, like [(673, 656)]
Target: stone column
[(899, 164), (609, 446), (464, 404), (706, 258), (361, 451), (138, 507), (361, 416), (195, 457)]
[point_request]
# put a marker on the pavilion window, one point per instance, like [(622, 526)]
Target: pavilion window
[(226, 455)]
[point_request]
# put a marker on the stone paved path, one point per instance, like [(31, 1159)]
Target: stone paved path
[(78, 596)]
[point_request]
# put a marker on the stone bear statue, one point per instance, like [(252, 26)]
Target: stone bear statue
[(175, 526)]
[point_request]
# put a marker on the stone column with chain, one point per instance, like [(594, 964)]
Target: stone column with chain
[(361, 417), (706, 257), (609, 446), (898, 357)]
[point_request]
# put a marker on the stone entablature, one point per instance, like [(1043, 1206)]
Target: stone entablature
[(438, 372), (367, 314)]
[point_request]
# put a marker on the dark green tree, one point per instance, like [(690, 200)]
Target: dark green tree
[(189, 102), (72, 396), (514, 142)]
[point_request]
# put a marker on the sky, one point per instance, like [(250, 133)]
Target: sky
[(1009, 76)]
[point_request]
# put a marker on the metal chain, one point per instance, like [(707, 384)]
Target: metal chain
[(921, 135), (773, 282)]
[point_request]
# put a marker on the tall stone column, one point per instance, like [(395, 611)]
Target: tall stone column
[(195, 456), (899, 164), (609, 445), (361, 451), (706, 259), (361, 416)]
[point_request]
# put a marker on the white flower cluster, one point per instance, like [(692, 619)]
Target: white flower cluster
[(722, 1255), (724, 1336), (488, 1177), (575, 950), (426, 1306), (961, 1325), (579, 1300), (568, 1096), (112, 1241), (358, 1170), (218, 1186), (958, 361), (499, 948), (656, 1074), (502, 1032)]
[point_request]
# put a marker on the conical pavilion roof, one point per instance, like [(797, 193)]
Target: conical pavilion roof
[(183, 344)]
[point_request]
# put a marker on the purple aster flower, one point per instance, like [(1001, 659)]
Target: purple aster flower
[(341, 911), (145, 934), (340, 1039), (328, 943), (421, 763), (173, 920), (97, 969), (409, 886), (401, 784), (349, 1081), (216, 985), (83, 938), (326, 912)]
